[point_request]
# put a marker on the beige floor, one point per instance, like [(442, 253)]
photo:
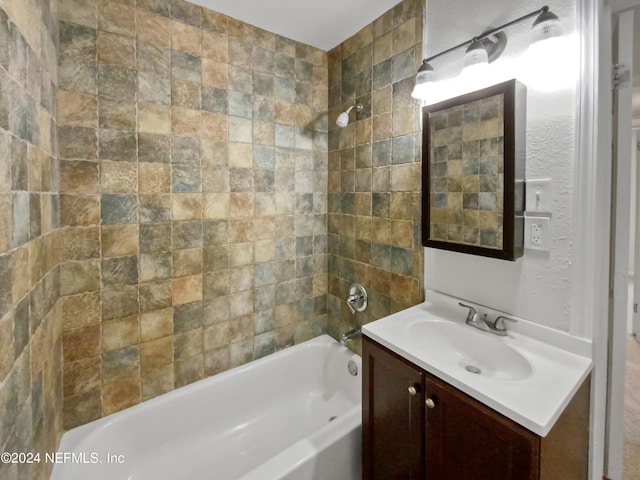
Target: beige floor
[(631, 446)]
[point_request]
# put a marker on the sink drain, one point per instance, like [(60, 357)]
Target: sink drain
[(473, 369)]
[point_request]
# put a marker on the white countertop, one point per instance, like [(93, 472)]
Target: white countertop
[(545, 368)]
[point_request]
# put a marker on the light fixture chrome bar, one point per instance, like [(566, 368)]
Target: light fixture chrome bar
[(489, 33)]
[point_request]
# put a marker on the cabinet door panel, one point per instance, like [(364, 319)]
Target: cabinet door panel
[(392, 418), (466, 439)]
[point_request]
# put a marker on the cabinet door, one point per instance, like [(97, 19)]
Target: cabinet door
[(467, 440), (392, 416)]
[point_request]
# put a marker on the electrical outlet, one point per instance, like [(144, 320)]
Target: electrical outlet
[(536, 235)]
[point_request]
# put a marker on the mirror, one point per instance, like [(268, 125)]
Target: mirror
[(473, 172)]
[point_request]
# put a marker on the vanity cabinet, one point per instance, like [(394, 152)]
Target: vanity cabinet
[(416, 426)]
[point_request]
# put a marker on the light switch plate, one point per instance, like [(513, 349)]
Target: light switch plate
[(539, 196)]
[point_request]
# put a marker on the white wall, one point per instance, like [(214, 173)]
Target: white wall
[(537, 286)]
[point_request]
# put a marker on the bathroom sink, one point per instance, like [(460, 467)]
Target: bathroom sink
[(479, 353), (528, 375)]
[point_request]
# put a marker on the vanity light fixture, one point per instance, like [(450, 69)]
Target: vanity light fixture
[(487, 47)]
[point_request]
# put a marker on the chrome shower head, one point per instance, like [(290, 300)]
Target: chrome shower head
[(343, 118)]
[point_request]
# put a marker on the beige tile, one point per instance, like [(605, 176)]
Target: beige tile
[(82, 375), (187, 289), (216, 205), (156, 353), (119, 240), (406, 177), (186, 38), (156, 324), (79, 277), (154, 29), (154, 178), (81, 343), (185, 121), (121, 332), (240, 155), (117, 50), (77, 109), (214, 126), (216, 336), (157, 381), (81, 310), (241, 254), (215, 74), (118, 177), (79, 210), (215, 46), (154, 118), (241, 204), (120, 394), (186, 206)]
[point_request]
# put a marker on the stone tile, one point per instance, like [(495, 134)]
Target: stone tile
[(153, 29), (118, 145), (154, 178), (154, 296), (120, 271), (187, 289), (81, 343), (186, 38), (82, 376), (77, 41), (186, 12), (240, 79), (214, 99), (119, 240), (81, 243), (155, 266), (186, 150), (156, 353), (119, 302), (154, 148), (215, 74), (188, 371), (78, 143), (155, 237), (117, 114), (154, 119), (187, 317), (78, 75), (77, 109), (187, 262), (120, 333), (185, 122), (186, 67), (79, 210), (117, 82), (120, 394), (117, 18), (185, 94), (160, 7), (117, 209), (186, 206), (156, 381), (81, 408), (79, 12), (79, 277), (118, 177), (156, 324), (114, 49), (187, 234)]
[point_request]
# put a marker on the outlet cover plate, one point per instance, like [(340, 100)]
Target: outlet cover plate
[(537, 233)]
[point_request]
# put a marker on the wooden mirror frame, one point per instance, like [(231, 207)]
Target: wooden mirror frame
[(514, 118)]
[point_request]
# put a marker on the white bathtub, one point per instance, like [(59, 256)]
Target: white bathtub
[(269, 419)]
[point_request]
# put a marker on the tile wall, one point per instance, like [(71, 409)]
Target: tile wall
[(193, 197), (375, 168), (30, 314)]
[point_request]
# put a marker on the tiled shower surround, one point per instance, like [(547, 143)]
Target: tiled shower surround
[(30, 314), (193, 172), (176, 200), (375, 168)]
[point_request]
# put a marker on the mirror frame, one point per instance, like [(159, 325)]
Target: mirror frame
[(514, 119)]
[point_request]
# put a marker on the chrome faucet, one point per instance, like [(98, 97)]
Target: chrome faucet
[(350, 335), (481, 322)]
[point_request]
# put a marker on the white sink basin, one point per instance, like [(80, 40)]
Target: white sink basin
[(528, 375), (478, 353)]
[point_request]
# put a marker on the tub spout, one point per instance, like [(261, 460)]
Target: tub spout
[(350, 335)]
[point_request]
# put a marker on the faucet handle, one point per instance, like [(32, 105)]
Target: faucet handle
[(471, 316), (498, 323)]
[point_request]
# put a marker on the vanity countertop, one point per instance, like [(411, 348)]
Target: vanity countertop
[(529, 376)]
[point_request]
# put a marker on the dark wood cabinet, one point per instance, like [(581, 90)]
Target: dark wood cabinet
[(416, 426), (393, 416)]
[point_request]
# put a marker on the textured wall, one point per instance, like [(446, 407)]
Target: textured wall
[(375, 168), (30, 345), (538, 286), (193, 153)]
